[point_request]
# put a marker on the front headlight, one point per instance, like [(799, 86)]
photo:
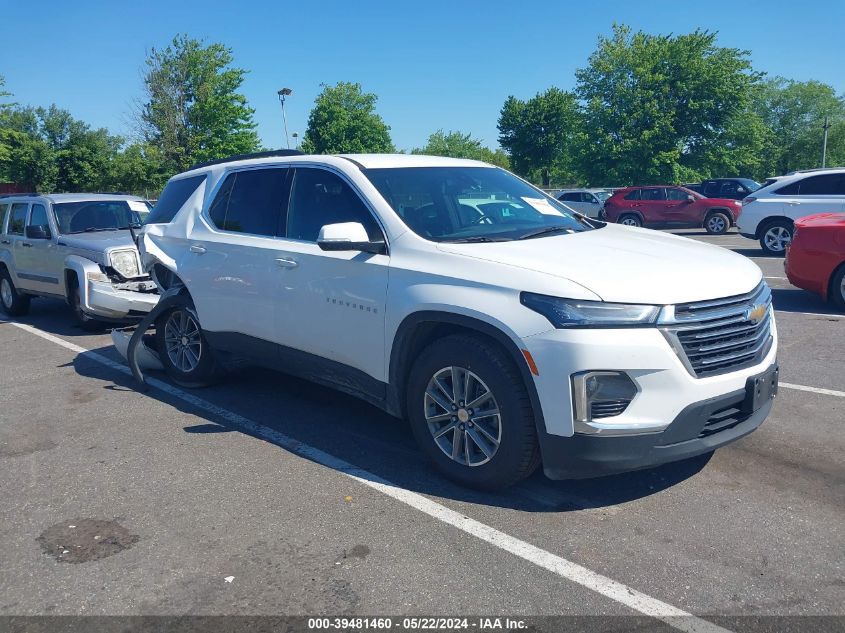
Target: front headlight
[(126, 263), (574, 313)]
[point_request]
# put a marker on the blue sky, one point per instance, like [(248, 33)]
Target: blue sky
[(433, 64)]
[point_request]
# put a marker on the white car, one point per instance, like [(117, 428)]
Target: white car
[(588, 202), (509, 331), (77, 247), (768, 214)]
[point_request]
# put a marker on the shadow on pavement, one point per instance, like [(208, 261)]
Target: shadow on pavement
[(797, 300), (367, 438)]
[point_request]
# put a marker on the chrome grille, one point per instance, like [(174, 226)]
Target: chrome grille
[(722, 335)]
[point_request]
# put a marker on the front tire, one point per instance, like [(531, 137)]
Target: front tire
[(717, 223), (837, 288), (182, 347), (470, 413), (776, 236), (629, 219), (14, 303), (82, 319)]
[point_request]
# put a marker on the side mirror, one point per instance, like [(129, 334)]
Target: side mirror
[(690, 198), (348, 236), (36, 232)]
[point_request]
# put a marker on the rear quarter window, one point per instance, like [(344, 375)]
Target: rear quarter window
[(633, 195), (175, 194)]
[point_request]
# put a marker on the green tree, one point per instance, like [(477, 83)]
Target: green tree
[(344, 120), (795, 111), (656, 106), (540, 134), (193, 111), (459, 145)]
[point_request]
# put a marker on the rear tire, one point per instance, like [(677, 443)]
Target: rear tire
[(836, 292), (629, 219), (182, 347), (494, 450), (775, 236), (717, 223), (12, 302)]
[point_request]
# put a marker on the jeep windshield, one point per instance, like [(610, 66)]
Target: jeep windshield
[(473, 204), (89, 216)]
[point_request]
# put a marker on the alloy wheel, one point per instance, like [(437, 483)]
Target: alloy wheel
[(182, 341), (463, 416), (716, 224), (630, 222), (777, 239)]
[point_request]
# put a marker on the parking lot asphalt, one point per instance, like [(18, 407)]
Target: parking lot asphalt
[(269, 495)]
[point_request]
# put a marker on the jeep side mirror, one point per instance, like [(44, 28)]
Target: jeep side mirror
[(36, 232), (348, 236)]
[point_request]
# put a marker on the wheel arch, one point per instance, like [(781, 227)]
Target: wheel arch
[(763, 224), (638, 214), (420, 329)]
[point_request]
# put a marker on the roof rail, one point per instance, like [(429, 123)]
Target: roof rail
[(21, 194), (270, 154), (809, 171)]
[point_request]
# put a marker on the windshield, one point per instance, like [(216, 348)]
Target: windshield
[(472, 204), (86, 216), (749, 184), (602, 195)]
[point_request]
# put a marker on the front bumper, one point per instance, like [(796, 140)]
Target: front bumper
[(700, 428), (105, 301)]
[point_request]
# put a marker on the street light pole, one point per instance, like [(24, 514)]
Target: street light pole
[(825, 127), (285, 92)]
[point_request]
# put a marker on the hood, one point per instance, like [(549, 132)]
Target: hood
[(627, 265), (100, 241)]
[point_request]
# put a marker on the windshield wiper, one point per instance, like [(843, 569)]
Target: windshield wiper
[(95, 229), (545, 231), (472, 239)]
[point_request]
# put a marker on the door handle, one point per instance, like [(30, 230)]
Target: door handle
[(27, 244), (196, 248), (286, 262)]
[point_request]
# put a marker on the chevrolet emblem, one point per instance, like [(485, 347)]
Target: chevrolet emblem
[(756, 313)]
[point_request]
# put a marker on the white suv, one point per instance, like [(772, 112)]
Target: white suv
[(768, 214), (505, 328)]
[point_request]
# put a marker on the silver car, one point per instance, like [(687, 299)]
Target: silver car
[(76, 247), (588, 202)]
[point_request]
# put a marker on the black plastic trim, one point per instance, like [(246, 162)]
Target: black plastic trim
[(236, 157)]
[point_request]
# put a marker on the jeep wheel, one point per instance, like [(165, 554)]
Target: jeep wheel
[(717, 223), (182, 348), (776, 236), (13, 302), (629, 219), (471, 414), (82, 318)]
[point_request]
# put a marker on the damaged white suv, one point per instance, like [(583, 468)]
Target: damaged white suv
[(507, 329)]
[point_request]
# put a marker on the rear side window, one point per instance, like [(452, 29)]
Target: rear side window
[(175, 194), (653, 194), (634, 195), (320, 197), (17, 220), (252, 201), (3, 209)]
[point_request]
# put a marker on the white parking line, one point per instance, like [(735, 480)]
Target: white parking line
[(781, 278), (815, 314), (826, 392), (562, 567)]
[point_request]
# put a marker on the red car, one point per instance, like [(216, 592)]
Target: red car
[(815, 259), (669, 206)]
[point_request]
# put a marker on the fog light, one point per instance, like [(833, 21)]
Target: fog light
[(601, 394)]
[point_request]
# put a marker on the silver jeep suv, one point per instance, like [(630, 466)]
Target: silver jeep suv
[(76, 247)]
